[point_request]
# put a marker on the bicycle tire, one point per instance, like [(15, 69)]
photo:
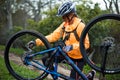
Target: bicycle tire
[(9, 46), (86, 31)]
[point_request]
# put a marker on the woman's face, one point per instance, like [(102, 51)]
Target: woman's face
[(67, 17)]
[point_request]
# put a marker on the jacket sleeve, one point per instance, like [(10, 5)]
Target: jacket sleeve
[(56, 35)]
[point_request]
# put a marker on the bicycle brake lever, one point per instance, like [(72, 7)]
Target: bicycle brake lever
[(28, 49)]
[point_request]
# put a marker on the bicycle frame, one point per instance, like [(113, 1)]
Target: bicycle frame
[(56, 52)]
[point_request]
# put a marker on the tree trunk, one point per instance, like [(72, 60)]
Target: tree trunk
[(9, 15)]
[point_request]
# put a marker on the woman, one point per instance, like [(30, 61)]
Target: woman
[(70, 30)]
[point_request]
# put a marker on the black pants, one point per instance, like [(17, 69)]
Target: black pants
[(80, 64)]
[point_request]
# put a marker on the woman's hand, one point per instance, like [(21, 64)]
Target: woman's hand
[(68, 48)]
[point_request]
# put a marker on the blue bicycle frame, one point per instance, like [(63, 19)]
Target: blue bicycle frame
[(56, 52)]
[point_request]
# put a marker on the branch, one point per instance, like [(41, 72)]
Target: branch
[(106, 4), (110, 6), (27, 1), (116, 6)]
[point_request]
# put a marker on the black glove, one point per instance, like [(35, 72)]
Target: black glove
[(31, 44), (59, 43)]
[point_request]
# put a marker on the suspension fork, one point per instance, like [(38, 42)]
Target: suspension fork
[(104, 60)]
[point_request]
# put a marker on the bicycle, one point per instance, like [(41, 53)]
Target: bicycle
[(30, 64)]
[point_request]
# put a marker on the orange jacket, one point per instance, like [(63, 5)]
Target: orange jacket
[(58, 33)]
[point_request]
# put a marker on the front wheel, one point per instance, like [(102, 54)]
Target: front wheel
[(15, 53), (104, 29)]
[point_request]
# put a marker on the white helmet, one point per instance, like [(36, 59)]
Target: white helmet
[(66, 8)]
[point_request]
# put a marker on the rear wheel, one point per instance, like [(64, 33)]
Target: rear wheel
[(102, 59), (15, 53)]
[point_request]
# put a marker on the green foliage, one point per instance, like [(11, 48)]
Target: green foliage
[(86, 69), (12, 31), (32, 24), (115, 30), (2, 47), (113, 77), (17, 28), (87, 13), (51, 22), (48, 24)]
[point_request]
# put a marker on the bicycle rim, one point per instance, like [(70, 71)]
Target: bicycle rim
[(15, 52), (107, 25)]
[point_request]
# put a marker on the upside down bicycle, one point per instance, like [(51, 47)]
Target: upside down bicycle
[(26, 64)]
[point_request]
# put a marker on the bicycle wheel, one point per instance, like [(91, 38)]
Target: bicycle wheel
[(100, 30), (15, 53)]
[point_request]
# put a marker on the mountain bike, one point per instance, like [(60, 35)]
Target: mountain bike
[(40, 61)]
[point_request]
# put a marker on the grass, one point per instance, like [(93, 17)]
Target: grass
[(113, 77), (2, 48), (4, 74)]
